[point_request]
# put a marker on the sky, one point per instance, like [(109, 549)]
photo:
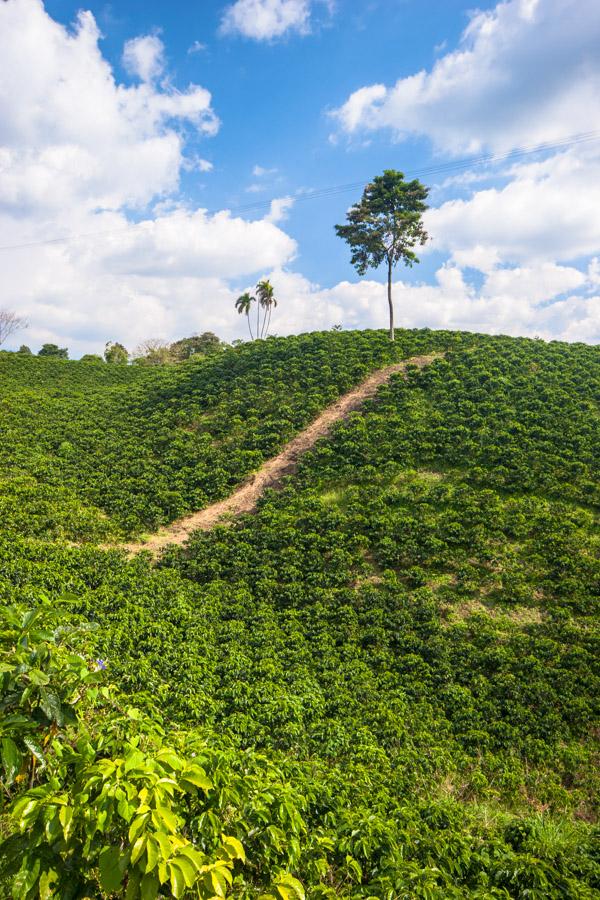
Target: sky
[(158, 159)]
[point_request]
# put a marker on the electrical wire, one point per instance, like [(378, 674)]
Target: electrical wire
[(335, 190)]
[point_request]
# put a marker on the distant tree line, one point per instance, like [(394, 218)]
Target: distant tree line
[(152, 352)]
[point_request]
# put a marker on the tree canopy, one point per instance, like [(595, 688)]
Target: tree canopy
[(385, 226), (53, 350)]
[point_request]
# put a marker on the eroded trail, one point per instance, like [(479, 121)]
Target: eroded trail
[(270, 474)]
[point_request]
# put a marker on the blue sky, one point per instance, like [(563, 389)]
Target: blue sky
[(273, 98), (129, 120)]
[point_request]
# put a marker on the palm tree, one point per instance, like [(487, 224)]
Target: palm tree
[(243, 305), (266, 299)]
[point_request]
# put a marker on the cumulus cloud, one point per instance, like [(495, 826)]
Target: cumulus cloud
[(548, 210), (165, 276), (525, 72), (77, 151), (514, 302), (70, 136), (265, 20), (280, 207), (144, 56)]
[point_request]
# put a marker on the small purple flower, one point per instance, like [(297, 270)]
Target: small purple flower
[(101, 664)]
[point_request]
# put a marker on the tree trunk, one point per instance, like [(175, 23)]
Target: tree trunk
[(390, 303), (249, 326)]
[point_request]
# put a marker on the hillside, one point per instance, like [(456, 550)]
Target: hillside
[(388, 672)]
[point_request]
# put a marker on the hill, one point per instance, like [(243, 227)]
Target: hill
[(388, 673)]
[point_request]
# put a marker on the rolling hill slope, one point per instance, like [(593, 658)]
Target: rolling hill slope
[(389, 670)]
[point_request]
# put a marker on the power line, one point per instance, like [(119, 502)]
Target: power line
[(334, 190)]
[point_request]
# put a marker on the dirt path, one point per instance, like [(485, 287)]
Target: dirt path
[(270, 474)]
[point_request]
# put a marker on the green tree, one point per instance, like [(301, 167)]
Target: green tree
[(205, 344), (266, 300), (114, 352), (54, 350), (24, 350), (385, 226), (243, 305), (91, 358)]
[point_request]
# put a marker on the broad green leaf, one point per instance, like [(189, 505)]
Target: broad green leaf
[(12, 759), (290, 888), (134, 760), (149, 887), (35, 749), (152, 853), (47, 883), (197, 777), (51, 706), (137, 826), (138, 848), (133, 886), (234, 847), (110, 871), (169, 758), (187, 867), (66, 820), (25, 878), (162, 816), (164, 843), (192, 854), (177, 880), (219, 883)]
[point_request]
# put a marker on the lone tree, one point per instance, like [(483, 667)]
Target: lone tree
[(385, 226), (9, 323)]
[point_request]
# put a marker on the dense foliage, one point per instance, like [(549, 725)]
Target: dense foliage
[(388, 675), (147, 446)]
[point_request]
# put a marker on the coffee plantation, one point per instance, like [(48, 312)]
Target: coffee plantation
[(384, 683)]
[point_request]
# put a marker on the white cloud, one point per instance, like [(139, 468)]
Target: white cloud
[(144, 56), (548, 211), (77, 149), (264, 20), (196, 47), (165, 276), (452, 302), (197, 163), (261, 172), (280, 207), (526, 72), (70, 136), (513, 304)]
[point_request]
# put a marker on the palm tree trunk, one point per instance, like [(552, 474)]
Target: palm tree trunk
[(257, 319), (390, 302), (249, 326)]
